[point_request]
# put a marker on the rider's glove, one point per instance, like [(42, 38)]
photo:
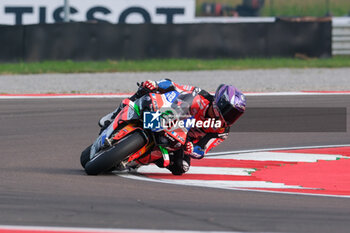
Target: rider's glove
[(150, 85), (195, 152), (188, 148)]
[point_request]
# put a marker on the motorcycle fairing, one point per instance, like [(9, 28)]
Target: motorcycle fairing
[(125, 131), (100, 141), (170, 102), (140, 153), (129, 112), (132, 111), (153, 156)]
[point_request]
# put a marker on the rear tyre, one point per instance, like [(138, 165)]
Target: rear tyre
[(85, 156), (112, 156)]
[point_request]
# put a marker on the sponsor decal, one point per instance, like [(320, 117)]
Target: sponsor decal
[(171, 96), (181, 139), (154, 101)]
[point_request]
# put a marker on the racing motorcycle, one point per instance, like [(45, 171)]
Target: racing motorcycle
[(137, 138)]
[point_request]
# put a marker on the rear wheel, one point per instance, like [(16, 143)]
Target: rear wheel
[(112, 156)]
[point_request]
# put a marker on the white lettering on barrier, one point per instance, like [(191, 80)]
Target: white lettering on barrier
[(112, 11)]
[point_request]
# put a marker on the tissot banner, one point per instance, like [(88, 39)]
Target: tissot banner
[(113, 11)]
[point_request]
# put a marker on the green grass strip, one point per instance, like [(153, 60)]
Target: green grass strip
[(156, 65)]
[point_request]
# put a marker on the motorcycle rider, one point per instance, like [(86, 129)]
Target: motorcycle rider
[(227, 105)]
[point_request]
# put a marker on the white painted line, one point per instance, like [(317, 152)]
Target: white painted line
[(290, 193), (254, 186), (278, 156), (97, 230), (218, 183), (234, 184), (274, 149), (130, 176), (200, 170)]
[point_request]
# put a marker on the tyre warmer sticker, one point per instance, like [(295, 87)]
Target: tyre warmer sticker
[(320, 171)]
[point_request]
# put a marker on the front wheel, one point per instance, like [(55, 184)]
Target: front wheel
[(85, 156), (107, 159)]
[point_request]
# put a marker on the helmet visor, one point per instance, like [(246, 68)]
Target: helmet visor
[(228, 112)]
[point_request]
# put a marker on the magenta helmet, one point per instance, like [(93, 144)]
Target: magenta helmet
[(229, 103)]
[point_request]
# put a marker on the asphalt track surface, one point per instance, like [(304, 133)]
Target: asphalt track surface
[(42, 183)]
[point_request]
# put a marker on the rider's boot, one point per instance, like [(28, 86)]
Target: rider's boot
[(180, 163)]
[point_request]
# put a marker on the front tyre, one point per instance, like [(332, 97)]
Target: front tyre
[(85, 156), (107, 159)]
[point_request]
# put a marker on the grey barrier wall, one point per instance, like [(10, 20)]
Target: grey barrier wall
[(101, 41)]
